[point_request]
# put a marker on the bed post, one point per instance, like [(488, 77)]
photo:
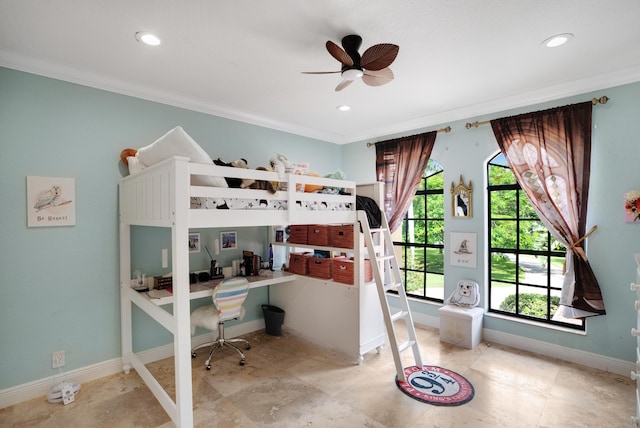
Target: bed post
[(181, 307), (125, 281)]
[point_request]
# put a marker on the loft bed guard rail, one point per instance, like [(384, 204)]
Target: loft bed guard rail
[(149, 198)]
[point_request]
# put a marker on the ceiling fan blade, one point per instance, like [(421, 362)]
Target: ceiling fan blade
[(378, 77), (343, 85), (338, 53), (379, 56), (320, 72)]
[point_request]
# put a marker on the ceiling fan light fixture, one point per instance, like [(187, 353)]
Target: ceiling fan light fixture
[(343, 108), (352, 74), (557, 40), (148, 38)]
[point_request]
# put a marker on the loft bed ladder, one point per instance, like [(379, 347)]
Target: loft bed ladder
[(387, 275)]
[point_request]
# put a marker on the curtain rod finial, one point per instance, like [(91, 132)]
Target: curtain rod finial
[(602, 100)]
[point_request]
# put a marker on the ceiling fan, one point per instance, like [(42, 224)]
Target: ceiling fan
[(372, 66)]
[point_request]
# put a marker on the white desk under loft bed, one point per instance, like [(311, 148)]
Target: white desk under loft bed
[(161, 195)]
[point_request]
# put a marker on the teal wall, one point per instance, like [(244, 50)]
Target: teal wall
[(60, 285), (614, 170)]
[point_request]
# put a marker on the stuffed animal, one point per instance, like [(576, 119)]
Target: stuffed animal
[(127, 153), (246, 182), (467, 294), (232, 181)]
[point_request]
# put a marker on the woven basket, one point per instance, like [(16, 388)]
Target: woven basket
[(320, 267), (299, 263), (342, 236), (318, 234)]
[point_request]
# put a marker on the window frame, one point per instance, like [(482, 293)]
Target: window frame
[(547, 253), (404, 247)]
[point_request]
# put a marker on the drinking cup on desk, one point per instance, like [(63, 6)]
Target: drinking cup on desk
[(227, 271)]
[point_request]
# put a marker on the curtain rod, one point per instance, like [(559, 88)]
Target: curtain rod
[(602, 100), (445, 130)]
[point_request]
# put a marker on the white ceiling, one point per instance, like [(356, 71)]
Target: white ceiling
[(243, 59)]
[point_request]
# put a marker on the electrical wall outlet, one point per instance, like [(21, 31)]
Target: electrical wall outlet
[(57, 359)]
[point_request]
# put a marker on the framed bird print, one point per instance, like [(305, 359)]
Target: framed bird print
[(51, 201)]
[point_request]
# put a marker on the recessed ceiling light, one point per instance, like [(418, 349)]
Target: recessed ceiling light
[(147, 38), (557, 40), (343, 108)]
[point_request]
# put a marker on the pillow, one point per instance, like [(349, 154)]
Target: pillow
[(135, 166), (177, 142)]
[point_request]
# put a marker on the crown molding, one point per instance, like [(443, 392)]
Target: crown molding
[(100, 81)]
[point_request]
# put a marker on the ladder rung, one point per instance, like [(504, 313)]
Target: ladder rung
[(406, 345), (387, 257), (398, 315), (392, 286), (381, 229)]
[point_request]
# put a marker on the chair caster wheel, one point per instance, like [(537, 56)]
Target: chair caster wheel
[(242, 362), (208, 367), (193, 355), (248, 347)]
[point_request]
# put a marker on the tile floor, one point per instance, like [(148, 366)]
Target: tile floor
[(288, 382)]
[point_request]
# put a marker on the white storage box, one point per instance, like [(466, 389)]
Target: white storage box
[(461, 326)]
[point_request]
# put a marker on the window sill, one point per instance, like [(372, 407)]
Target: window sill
[(536, 324)]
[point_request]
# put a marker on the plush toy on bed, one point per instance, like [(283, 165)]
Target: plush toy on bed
[(246, 182), (232, 181), (467, 294)]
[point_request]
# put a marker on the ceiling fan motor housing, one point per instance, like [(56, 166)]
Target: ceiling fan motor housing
[(351, 73)]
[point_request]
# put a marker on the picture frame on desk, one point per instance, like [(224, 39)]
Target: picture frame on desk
[(279, 235), (228, 240)]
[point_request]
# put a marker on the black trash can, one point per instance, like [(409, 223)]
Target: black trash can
[(273, 319)]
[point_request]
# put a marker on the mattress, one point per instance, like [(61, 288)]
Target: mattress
[(265, 204)]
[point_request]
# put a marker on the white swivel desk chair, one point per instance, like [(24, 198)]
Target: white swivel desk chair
[(228, 298)]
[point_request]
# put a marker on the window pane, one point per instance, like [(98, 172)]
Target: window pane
[(557, 246), (400, 255), (503, 234), (503, 204), (533, 302), (533, 270), (421, 185), (526, 209), (499, 292), (500, 175), (435, 260), (415, 258), (436, 181), (533, 235), (415, 232), (435, 206), (435, 232), (415, 283), (418, 207), (435, 286), (503, 267)]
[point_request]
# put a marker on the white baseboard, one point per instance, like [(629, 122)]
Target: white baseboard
[(41, 387), (588, 359)]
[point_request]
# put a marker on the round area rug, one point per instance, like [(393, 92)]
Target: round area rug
[(435, 385)]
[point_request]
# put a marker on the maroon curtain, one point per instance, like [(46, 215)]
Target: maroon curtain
[(550, 154), (400, 164)]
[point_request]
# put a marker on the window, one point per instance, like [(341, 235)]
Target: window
[(525, 263), (419, 243)]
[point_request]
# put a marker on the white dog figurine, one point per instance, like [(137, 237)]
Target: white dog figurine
[(467, 294)]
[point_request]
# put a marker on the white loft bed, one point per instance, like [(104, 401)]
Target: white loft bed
[(160, 196)]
